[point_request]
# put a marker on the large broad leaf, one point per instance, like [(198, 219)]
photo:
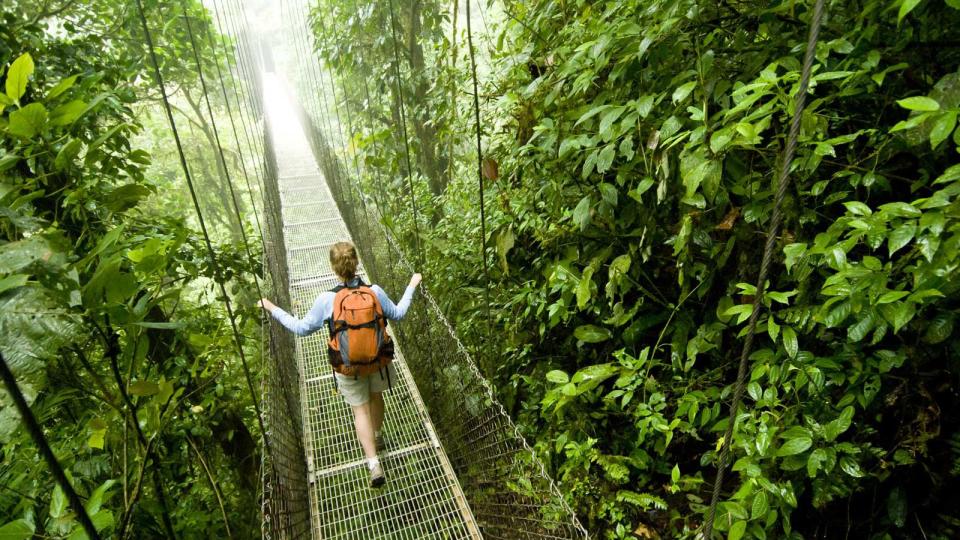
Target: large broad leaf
[(919, 103), (17, 76), (67, 113), (581, 214), (125, 197), (592, 334), (28, 121), (795, 446), (697, 171), (16, 530)]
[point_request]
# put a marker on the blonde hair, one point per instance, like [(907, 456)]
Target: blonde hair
[(343, 259)]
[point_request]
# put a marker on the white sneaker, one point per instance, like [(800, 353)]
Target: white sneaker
[(377, 478)]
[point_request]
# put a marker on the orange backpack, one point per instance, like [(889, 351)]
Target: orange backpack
[(359, 343)]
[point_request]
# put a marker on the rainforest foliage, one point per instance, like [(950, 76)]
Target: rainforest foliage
[(109, 314), (629, 158)]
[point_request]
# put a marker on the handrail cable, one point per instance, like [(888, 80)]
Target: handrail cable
[(43, 446), (783, 182), (216, 137), (233, 127), (218, 275), (254, 144)]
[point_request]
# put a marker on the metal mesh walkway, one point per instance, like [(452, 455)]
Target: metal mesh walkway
[(422, 498)]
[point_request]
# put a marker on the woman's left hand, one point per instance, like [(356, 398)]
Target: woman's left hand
[(266, 304)]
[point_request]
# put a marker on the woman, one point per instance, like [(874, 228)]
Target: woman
[(364, 394)]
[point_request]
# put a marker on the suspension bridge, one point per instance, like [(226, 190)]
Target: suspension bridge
[(456, 464)]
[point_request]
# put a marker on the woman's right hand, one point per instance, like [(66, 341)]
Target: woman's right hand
[(266, 304), (415, 280)]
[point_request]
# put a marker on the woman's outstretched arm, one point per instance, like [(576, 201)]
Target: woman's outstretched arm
[(399, 310), (310, 323)]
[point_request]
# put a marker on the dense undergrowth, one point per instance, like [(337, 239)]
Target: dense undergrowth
[(108, 312), (630, 153)]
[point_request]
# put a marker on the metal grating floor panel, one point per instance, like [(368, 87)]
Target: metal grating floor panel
[(422, 498)]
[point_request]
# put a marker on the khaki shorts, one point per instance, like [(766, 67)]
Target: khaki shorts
[(356, 390)]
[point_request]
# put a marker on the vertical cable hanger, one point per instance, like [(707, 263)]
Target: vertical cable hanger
[(203, 227), (216, 136), (333, 164), (247, 75), (403, 130), (233, 122), (783, 182)]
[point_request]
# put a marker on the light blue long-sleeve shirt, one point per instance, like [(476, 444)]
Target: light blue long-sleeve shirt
[(322, 310)]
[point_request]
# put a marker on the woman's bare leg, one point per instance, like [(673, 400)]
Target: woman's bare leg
[(376, 410), (363, 422)]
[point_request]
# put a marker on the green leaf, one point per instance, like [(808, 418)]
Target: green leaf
[(897, 507), (161, 325), (795, 446), (858, 331), (13, 281), (98, 497), (645, 105), (816, 461), (67, 113), (16, 530), (126, 197), (839, 425), (790, 341), (27, 121), (760, 506), (892, 296), (592, 334), (143, 388), (942, 128), (901, 236), (8, 161), (67, 154), (675, 474), (558, 377), (900, 209), (96, 439), (737, 530), (906, 6), (919, 103), (939, 329), (62, 87), (581, 214), (58, 503), (851, 467), (585, 288), (683, 91), (857, 208), (505, 242), (608, 193), (605, 158), (17, 76)]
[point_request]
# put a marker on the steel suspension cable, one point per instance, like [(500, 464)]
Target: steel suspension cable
[(783, 182), (43, 446), (346, 105), (483, 214), (245, 72), (319, 90), (216, 136), (218, 274), (233, 127), (403, 130)]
